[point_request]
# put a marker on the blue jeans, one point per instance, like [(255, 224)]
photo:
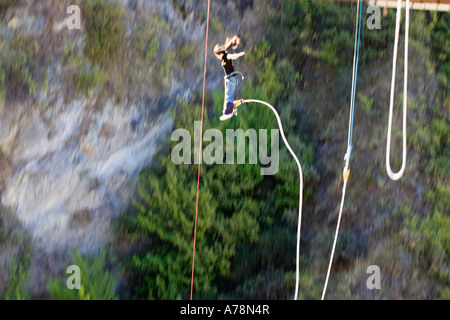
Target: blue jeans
[(230, 85)]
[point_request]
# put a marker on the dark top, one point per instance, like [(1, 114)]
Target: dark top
[(227, 64)]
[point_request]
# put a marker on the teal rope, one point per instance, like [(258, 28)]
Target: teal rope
[(350, 148)]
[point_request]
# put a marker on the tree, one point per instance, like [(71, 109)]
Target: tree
[(96, 282), (164, 216)]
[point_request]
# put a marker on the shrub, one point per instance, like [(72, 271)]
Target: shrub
[(18, 278), (96, 282), (13, 237), (89, 78), (366, 103), (105, 30), (152, 48), (440, 30), (18, 67), (184, 54)]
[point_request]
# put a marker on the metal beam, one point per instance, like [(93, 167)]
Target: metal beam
[(427, 5), (442, 5)]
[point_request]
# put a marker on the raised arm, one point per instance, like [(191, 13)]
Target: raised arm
[(234, 56)]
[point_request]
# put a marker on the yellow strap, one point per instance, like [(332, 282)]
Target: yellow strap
[(239, 102), (346, 174)]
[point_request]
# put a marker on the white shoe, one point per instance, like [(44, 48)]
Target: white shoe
[(226, 116)]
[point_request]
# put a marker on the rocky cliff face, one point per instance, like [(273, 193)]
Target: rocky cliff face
[(68, 169), (74, 167)]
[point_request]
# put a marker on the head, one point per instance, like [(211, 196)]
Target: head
[(219, 51)]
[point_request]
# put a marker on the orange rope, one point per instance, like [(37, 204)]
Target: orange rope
[(200, 150)]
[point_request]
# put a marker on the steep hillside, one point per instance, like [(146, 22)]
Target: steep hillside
[(85, 152), (75, 130)]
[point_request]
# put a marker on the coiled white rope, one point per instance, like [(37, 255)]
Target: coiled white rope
[(301, 190), (391, 174)]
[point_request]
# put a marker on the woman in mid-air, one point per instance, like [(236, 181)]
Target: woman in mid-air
[(231, 79)]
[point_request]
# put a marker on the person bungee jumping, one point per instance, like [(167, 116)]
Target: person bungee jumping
[(231, 80)]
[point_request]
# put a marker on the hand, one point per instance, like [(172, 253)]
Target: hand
[(235, 41)]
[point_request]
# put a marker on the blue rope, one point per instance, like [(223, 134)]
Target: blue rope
[(354, 88)]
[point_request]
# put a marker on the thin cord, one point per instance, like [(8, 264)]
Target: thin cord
[(200, 151), (335, 239), (349, 146), (355, 76), (350, 115)]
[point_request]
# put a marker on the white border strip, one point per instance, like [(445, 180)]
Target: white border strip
[(414, 5)]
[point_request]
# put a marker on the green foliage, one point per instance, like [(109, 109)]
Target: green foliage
[(165, 217), (12, 236), (325, 30), (429, 136), (18, 66), (86, 76), (241, 213), (277, 80), (321, 29), (433, 138), (215, 24), (152, 48), (145, 41), (264, 285), (185, 53), (87, 79), (10, 228), (430, 240), (311, 283), (247, 223), (145, 67), (432, 142), (440, 35), (378, 43), (236, 211), (445, 293), (97, 283), (350, 246), (18, 279), (104, 30), (365, 103), (71, 56)]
